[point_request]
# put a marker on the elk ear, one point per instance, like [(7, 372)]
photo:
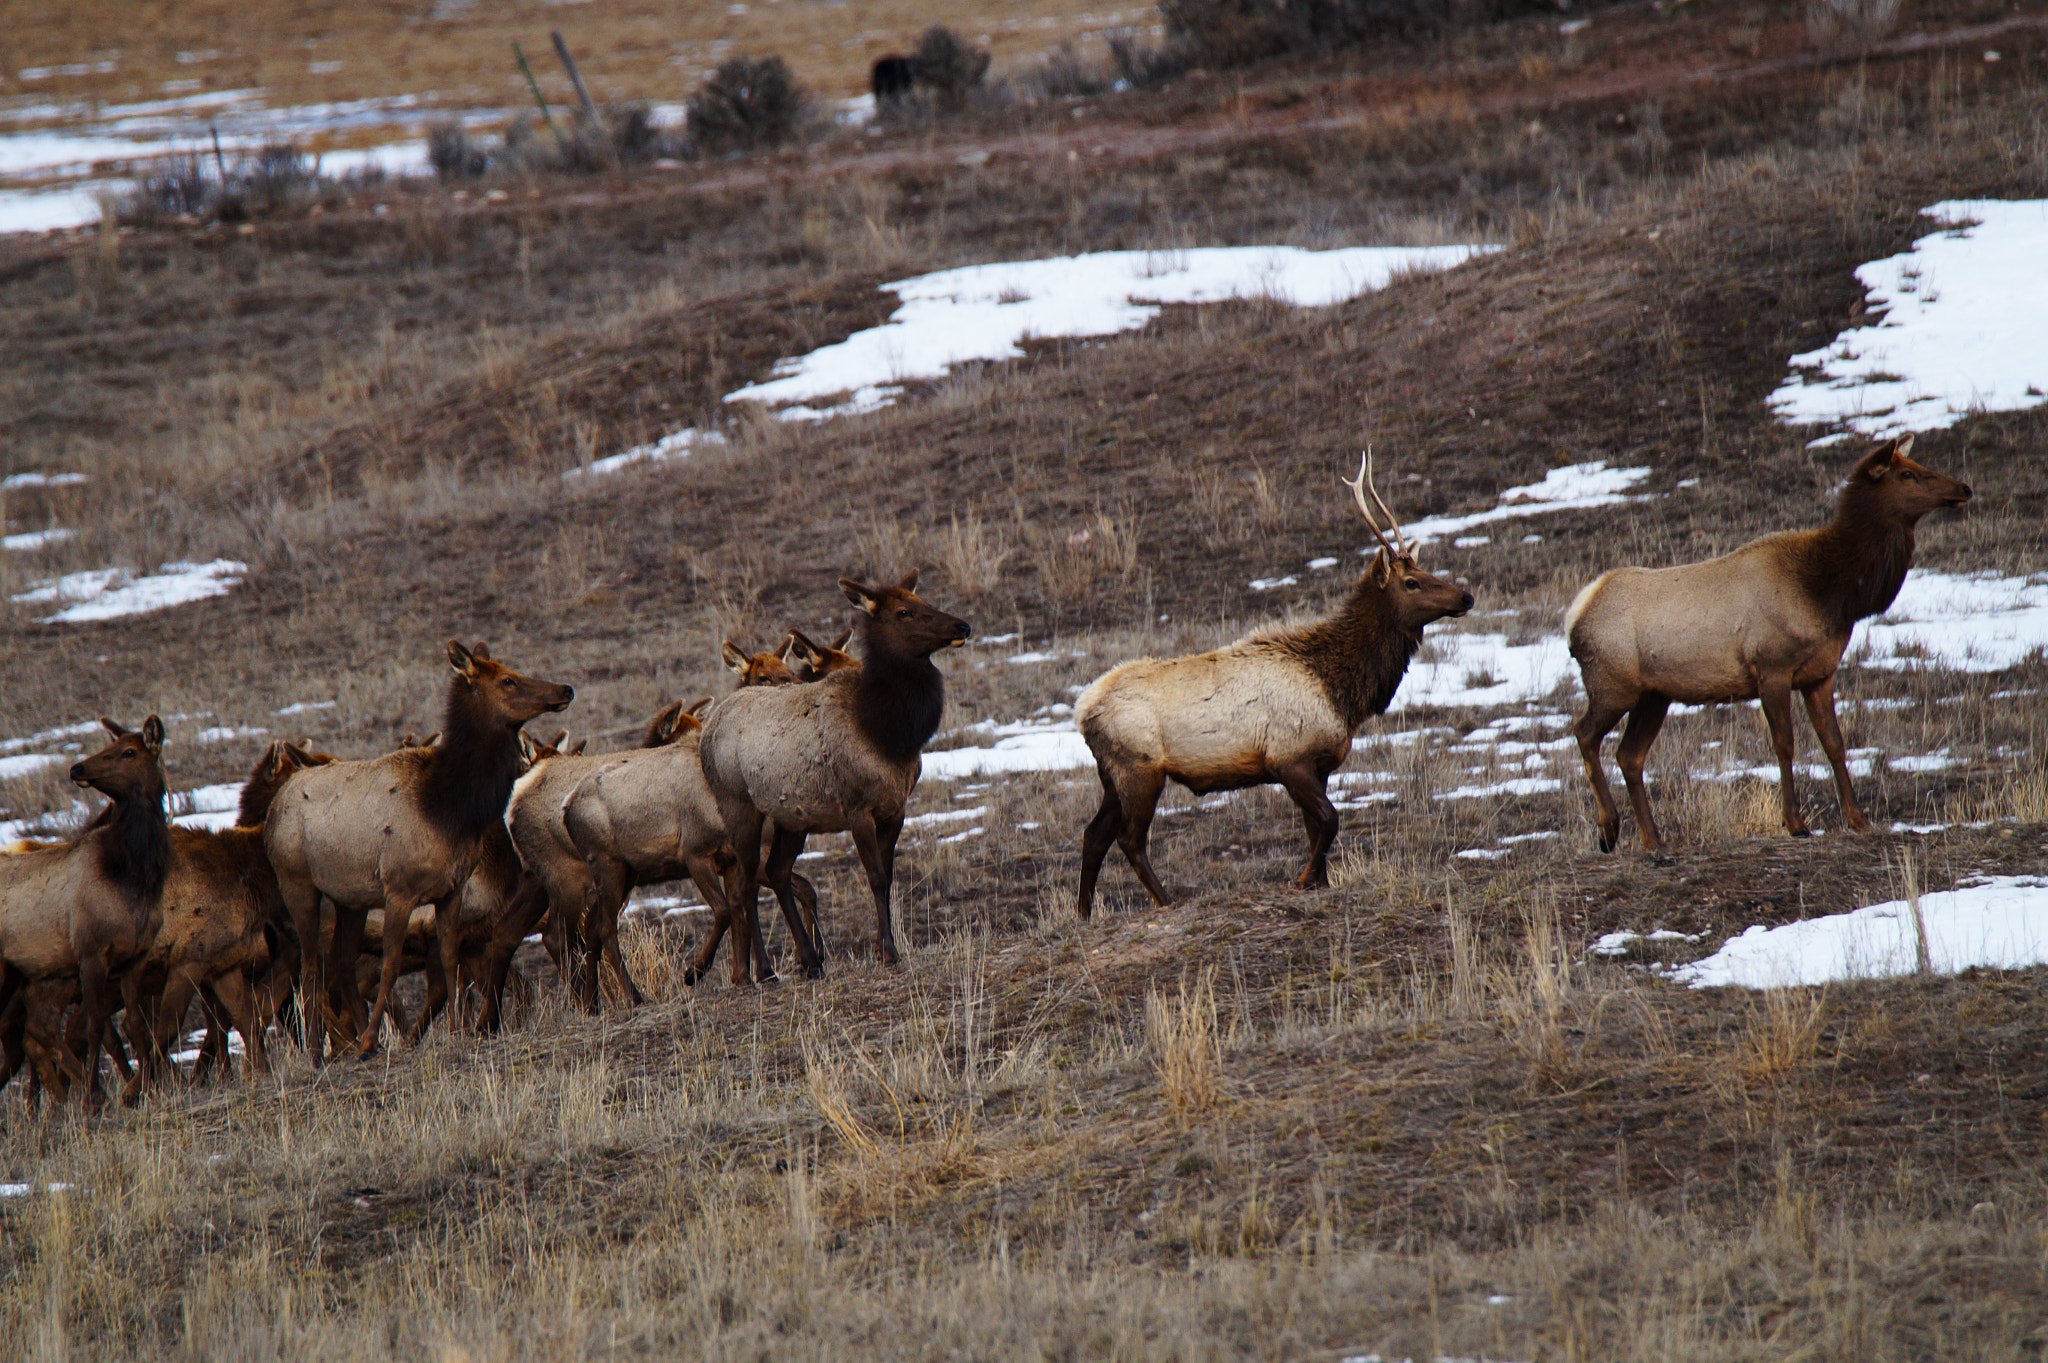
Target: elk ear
[(788, 643), (482, 649), (113, 726), (1382, 570), (805, 650), (577, 751), (844, 635), (1879, 461), (866, 600), (909, 582), (732, 657), (699, 708), (153, 735), (528, 749), (462, 660)]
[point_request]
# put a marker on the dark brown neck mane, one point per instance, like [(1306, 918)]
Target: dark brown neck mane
[(1359, 654), (898, 696), (133, 843), (467, 779), (1854, 566)]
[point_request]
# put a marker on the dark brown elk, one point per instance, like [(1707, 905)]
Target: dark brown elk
[(1277, 708), (399, 831), (892, 78), (221, 912), (90, 907), (841, 754), (814, 663), (1771, 618)]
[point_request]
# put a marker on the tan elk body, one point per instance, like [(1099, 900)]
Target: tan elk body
[(837, 755), (1769, 619), (1277, 708), (399, 831)]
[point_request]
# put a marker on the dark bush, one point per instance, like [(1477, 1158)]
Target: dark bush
[(1139, 64), (747, 104), (949, 66), (1225, 33), (1065, 75), (454, 154)]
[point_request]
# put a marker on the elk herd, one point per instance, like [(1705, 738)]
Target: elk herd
[(444, 856)]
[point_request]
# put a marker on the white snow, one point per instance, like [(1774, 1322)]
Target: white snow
[(223, 733), (14, 482), (673, 446), (984, 312), (108, 593), (1483, 669), (306, 706), (1963, 327), (2000, 923), (13, 768), (212, 807), (1975, 622), (1050, 747), (1578, 487), (36, 539)]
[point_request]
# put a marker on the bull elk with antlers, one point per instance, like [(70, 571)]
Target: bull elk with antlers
[(1771, 618), (1277, 708)]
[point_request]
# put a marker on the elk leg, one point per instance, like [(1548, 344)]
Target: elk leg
[(95, 1006), (1139, 803), (1318, 819), (397, 919), (514, 925), (1776, 694), (13, 1022), (723, 913), (437, 999), (303, 901), (704, 875), (1820, 708), (448, 938), (782, 855), (875, 840), (1096, 841), (234, 994), (746, 926), (1643, 723), (1591, 731), (347, 1015), (807, 900), (614, 882)]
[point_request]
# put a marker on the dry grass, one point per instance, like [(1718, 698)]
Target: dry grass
[(1255, 1123)]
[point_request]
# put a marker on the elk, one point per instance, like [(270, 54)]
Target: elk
[(1769, 619), (814, 663), (759, 669), (838, 755), (90, 907), (399, 831), (1276, 708)]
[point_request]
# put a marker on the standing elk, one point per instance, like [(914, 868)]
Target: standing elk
[(92, 906), (837, 755), (399, 831), (1771, 618), (1277, 708)]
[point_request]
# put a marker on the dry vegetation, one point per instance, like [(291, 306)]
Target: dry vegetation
[(1406, 1115)]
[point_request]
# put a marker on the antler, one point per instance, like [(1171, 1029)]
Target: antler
[(1359, 486)]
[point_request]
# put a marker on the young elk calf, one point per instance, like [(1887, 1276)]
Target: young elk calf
[(840, 754), (1769, 619), (1277, 708)]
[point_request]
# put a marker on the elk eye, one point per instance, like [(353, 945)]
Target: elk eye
[(903, 613), (1413, 585)]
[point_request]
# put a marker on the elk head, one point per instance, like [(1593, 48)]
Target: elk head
[(813, 662), (1905, 489), (507, 697), (129, 768), (899, 621), (1417, 597), (758, 669)]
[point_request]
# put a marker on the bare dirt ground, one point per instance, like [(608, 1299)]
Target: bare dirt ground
[(1409, 1115)]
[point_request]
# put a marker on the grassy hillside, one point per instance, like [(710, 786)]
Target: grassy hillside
[(1410, 1115)]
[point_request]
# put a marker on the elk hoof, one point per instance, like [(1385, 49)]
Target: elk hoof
[(692, 975), (1801, 832), (815, 972)]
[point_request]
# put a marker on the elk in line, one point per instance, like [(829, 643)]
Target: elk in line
[(1277, 708), (399, 831), (768, 668), (841, 754), (220, 908), (89, 907), (1771, 618), (814, 663)]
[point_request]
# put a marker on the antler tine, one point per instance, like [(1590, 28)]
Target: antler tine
[(1407, 549), (1357, 486)]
